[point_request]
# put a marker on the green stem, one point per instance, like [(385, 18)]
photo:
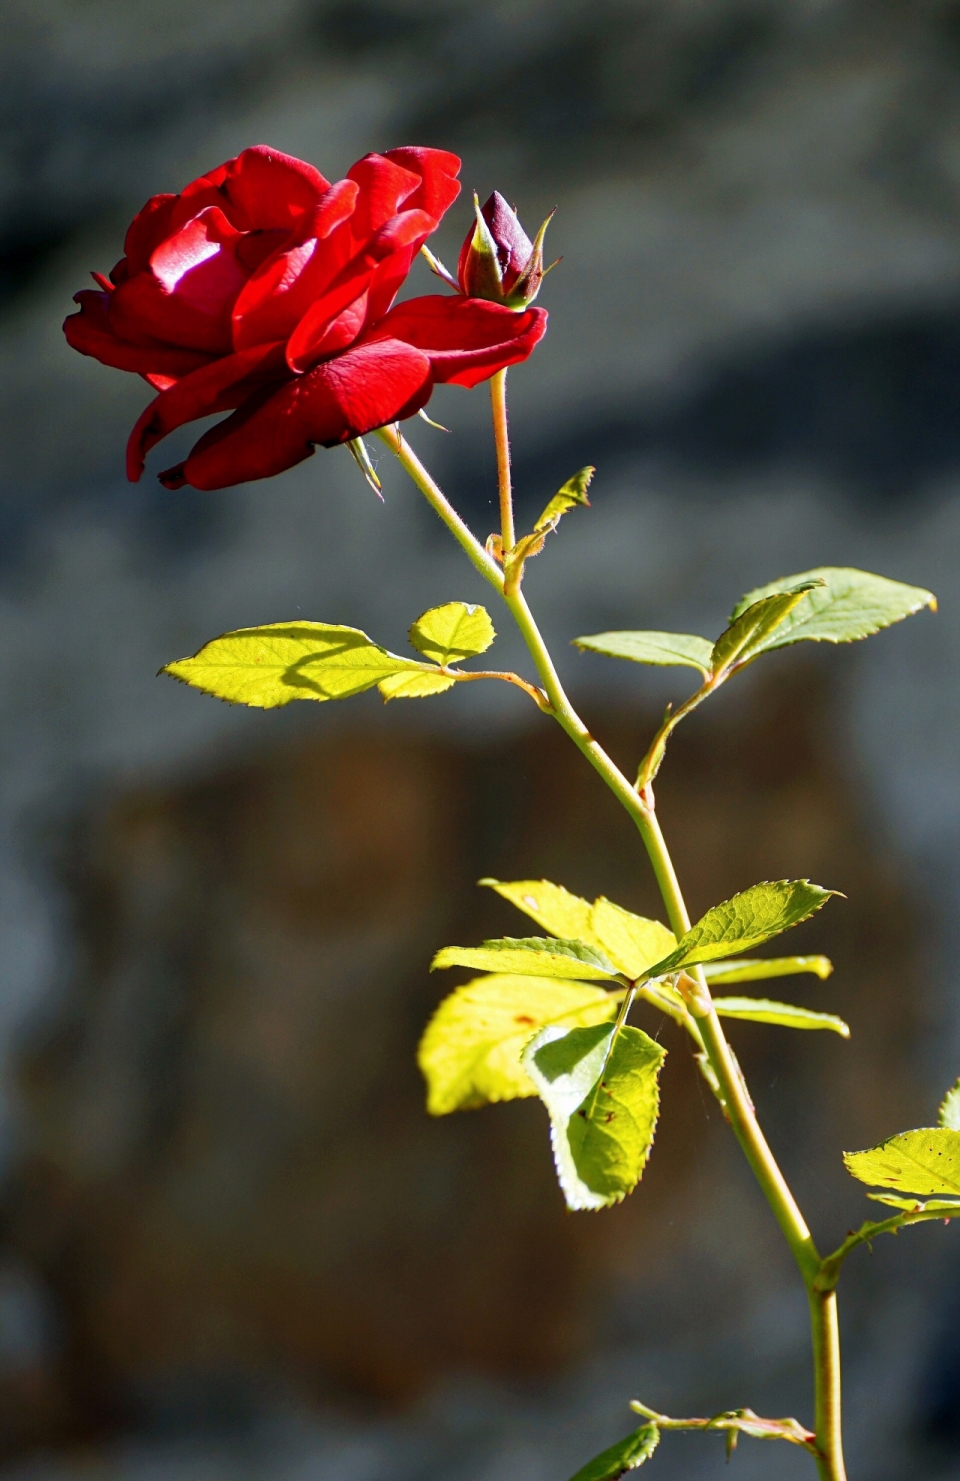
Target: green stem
[(825, 1329), (736, 1100)]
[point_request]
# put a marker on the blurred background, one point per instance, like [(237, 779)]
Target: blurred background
[(232, 1245)]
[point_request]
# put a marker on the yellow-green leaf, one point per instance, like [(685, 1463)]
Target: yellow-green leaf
[(453, 632), (550, 905), (926, 1161), (761, 1010), (950, 1109), (573, 492), (470, 1051), (600, 1089), (745, 921), (531, 956), (630, 941), (265, 667), (758, 969), (664, 649), (417, 683)]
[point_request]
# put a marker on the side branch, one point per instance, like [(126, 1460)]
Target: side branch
[(736, 1422), (831, 1266)]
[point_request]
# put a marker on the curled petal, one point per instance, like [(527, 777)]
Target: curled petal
[(261, 188), (467, 339), (278, 295), (91, 332), (384, 187), (438, 170), (187, 295), (366, 387), (220, 386)]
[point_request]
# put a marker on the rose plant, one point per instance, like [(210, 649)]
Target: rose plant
[(263, 291)]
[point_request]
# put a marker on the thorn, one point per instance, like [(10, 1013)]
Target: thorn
[(431, 423), (358, 449)]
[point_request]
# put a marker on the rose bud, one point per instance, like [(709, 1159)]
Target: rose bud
[(498, 261)]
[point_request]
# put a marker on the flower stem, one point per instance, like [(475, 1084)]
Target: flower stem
[(498, 402)]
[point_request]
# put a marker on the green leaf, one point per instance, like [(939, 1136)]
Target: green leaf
[(451, 633), (630, 941), (666, 649), (530, 956), (924, 1161), (573, 492), (758, 969), (950, 1109), (600, 1089), (751, 631), (745, 921), (625, 1456), (761, 1010), (470, 1051), (416, 684), (269, 666), (946, 1208), (850, 605)]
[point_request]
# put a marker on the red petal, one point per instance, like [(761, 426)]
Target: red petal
[(467, 339), (278, 294), (201, 239), (260, 189), (272, 189), (318, 338), (255, 247), (217, 387), (437, 169), (388, 278), (146, 231), (384, 187), (364, 388), (391, 248), (187, 296), (91, 332)]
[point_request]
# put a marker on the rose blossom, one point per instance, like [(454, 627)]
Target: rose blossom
[(264, 290)]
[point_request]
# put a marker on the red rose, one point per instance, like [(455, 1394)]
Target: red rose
[(263, 290)]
